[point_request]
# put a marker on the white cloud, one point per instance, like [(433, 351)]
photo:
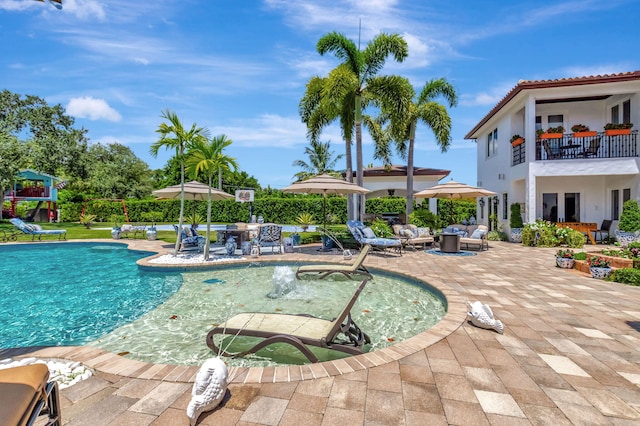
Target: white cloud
[(84, 9), (93, 109), (487, 98), (266, 130)]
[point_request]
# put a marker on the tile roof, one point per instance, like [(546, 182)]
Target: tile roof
[(559, 82)]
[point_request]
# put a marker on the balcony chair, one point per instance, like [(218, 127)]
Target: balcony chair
[(551, 155), (270, 235), (604, 229), (592, 149)]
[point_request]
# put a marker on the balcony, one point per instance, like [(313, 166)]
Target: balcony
[(601, 145)]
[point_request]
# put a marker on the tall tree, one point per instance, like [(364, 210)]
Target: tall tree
[(427, 110), (208, 157), (114, 171), (12, 157), (318, 111), (357, 75), (321, 160), (173, 135)]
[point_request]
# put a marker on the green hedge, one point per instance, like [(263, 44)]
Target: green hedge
[(276, 210)]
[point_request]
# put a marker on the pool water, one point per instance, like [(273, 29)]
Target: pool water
[(73, 293), (95, 294), (390, 309)]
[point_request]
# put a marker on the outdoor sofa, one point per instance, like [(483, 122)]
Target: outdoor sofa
[(470, 235)]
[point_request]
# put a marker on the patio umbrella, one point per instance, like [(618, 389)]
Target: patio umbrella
[(453, 189), (195, 191), (325, 184)]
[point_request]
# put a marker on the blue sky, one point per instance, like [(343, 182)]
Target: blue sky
[(240, 67)]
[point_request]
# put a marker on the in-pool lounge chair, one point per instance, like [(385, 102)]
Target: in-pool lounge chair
[(36, 230), (296, 330), (323, 271), (25, 393)]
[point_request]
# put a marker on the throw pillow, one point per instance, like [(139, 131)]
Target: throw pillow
[(36, 227), (368, 232), (406, 233), (424, 232), (477, 234), (357, 233)]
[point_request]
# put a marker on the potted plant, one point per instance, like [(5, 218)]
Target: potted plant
[(582, 131), (516, 140), (615, 129), (152, 217), (565, 259), (304, 220), (295, 237), (553, 133), (629, 225), (117, 220), (87, 220), (515, 223), (599, 267)]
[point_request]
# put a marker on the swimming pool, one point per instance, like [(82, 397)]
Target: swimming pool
[(95, 294), (72, 293)]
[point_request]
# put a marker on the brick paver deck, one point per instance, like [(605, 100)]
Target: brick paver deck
[(570, 354)]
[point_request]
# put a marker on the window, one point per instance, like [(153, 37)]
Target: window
[(504, 206), (615, 114), (626, 195), (626, 111), (538, 122), (615, 204), (492, 143), (556, 120)]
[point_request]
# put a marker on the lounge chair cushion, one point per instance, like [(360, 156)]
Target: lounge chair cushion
[(407, 233), (20, 390), (368, 232), (424, 232)]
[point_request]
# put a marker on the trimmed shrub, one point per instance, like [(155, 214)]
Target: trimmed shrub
[(629, 276), (630, 217), (515, 221)]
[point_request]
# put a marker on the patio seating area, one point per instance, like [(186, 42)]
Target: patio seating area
[(569, 355)]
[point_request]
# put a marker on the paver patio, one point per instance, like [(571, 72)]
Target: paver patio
[(570, 354)]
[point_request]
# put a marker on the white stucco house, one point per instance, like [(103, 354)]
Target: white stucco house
[(567, 177)]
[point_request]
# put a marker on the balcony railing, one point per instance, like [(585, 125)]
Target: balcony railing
[(569, 147), (518, 154)]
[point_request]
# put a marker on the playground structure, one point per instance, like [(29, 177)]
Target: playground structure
[(34, 186)]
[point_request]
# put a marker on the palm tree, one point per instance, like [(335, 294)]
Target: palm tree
[(207, 157), (174, 135), (356, 79), (318, 111), (433, 114), (321, 161)]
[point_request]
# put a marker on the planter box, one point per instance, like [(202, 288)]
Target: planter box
[(584, 134), (517, 142), (617, 132), (551, 136)]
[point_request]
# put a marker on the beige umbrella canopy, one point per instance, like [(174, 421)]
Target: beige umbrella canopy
[(193, 190), (453, 189), (325, 184)]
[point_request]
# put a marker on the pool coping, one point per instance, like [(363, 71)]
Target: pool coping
[(111, 363)]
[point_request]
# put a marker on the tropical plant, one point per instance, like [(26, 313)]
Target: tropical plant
[(546, 234), (579, 128), (424, 109), (630, 217), (304, 220), (381, 228), (208, 157), (117, 220), (565, 253), (618, 126), (87, 219), (423, 218), (558, 129), (351, 86), (173, 135), (321, 160), (515, 220), (598, 262)]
